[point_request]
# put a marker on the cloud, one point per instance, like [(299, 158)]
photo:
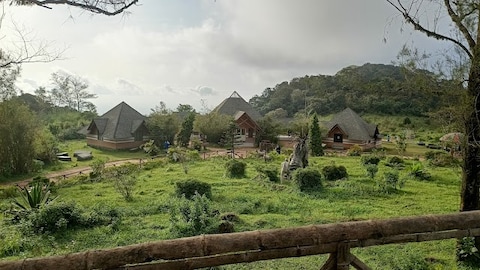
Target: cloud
[(204, 91), (125, 87)]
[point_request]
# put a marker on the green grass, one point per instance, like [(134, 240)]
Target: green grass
[(259, 204)]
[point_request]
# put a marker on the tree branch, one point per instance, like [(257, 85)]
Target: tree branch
[(105, 7), (458, 21), (417, 26)]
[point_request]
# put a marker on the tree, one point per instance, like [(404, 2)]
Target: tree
[(17, 133), (212, 125), (315, 137), (185, 108), (461, 31), (183, 137), (269, 130), (162, 125), (70, 91)]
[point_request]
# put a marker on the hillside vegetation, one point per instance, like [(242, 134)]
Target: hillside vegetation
[(371, 88)]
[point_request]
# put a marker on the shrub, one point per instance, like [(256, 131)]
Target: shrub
[(417, 171), (52, 218), (33, 197), (332, 172), (391, 180), (370, 159), (98, 167), (307, 179), (235, 168), (441, 159), (355, 150), (372, 170), (269, 172), (8, 192), (190, 187), (394, 161), (124, 179), (192, 217)]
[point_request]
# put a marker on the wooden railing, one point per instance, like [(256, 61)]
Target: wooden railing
[(221, 249)]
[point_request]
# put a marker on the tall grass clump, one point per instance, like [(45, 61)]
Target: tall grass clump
[(190, 187)]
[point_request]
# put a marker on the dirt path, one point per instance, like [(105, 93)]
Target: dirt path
[(57, 176)]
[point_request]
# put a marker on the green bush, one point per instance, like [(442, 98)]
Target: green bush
[(8, 192), (391, 181), (52, 218), (355, 151), (394, 161), (417, 171), (192, 217), (372, 170), (269, 172), (190, 187), (235, 168), (307, 179), (332, 172), (441, 159), (370, 159)]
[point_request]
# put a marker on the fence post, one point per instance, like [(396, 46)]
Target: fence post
[(342, 258)]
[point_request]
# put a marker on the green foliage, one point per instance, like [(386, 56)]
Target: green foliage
[(333, 172), (391, 181), (151, 148), (98, 168), (417, 171), (183, 137), (371, 169), (235, 168), (269, 130), (370, 159), (401, 143), (60, 217), (362, 88), (188, 189), (213, 125), (162, 126), (18, 128), (7, 192), (315, 138), (271, 173), (192, 217), (33, 197), (124, 178), (355, 151), (441, 159), (307, 179), (467, 252), (394, 161)]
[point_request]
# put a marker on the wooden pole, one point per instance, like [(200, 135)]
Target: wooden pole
[(250, 246)]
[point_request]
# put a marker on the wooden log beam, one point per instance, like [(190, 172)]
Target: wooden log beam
[(267, 244)]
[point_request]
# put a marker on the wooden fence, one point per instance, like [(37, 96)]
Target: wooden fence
[(221, 249)]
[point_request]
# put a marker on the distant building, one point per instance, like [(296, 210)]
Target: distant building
[(122, 127), (347, 128), (244, 114)]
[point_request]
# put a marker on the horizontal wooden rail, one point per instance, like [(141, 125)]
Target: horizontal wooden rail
[(221, 249)]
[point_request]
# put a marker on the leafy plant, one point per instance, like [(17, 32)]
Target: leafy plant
[(417, 171), (354, 151), (235, 168), (391, 180), (333, 172), (190, 187), (33, 197), (271, 173), (192, 217), (124, 179), (394, 161), (370, 159), (372, 170), (307, 179)]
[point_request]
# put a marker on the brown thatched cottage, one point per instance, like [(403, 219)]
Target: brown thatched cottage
[(244, 114), (347, 128), (122, 127)]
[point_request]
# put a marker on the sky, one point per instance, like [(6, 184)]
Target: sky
[(198, 52)]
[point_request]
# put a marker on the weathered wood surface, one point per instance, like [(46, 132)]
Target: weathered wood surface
[(220, 249)]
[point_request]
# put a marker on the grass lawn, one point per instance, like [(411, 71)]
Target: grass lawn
[(259, 204)]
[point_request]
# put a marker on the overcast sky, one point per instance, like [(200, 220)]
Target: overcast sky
[(186, 51)]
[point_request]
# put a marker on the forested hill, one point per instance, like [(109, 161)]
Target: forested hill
[(371, 88)]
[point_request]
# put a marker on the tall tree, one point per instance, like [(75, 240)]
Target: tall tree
[(212, 125), (185, 108), (71, 91), (162, 125), (315, 137), (183, 137), (17, 133), (461, 30)]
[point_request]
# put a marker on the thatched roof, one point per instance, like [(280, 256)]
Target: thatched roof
[(118, 123), (353, 125), (235, 104)]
